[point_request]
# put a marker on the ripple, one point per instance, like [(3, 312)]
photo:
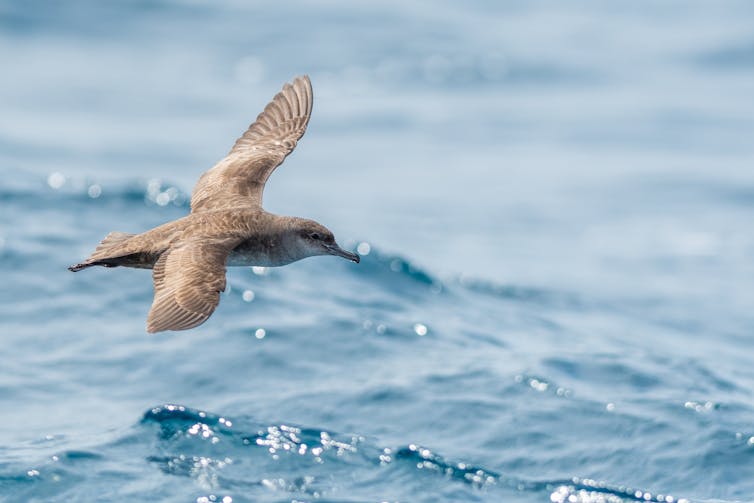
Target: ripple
[(424, 459), (590, 491), (389, 266), (542, 385), (528, 295)]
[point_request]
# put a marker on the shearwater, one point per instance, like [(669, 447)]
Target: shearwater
[(227, 225)]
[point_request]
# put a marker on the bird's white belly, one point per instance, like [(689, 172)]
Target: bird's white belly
[(237, 258), (242, 257)]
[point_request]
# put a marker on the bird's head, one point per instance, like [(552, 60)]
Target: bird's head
[(312, 238)]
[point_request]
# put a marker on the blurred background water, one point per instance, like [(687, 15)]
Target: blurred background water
[(553, 202)]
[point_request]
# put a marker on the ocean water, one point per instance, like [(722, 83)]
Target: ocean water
[(553, 203)]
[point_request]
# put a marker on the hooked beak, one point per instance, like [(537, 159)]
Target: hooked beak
[(334, 249)]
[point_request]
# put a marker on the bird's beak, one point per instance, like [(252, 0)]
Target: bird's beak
[(334, 249)]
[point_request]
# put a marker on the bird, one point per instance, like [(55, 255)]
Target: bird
[(227, 225)]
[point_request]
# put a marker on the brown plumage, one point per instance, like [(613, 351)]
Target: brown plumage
[(227, 225)]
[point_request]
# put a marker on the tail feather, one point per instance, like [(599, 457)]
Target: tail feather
[(106, 249), (112, 240)]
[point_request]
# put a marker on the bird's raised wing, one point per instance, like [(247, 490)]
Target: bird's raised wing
[(188, 279), (238, 180)]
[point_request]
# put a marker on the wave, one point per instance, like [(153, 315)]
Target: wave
[(60, 188), (205, 446)]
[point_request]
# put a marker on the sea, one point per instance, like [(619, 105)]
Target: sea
[(554, 207)]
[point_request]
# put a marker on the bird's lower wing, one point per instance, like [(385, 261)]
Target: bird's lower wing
[(188, 279)]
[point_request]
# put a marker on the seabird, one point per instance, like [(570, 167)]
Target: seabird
[(227, 225)]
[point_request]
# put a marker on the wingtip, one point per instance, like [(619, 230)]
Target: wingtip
[(303, 78), (151, 325)]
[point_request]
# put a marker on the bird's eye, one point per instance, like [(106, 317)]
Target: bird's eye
[(315, 236)]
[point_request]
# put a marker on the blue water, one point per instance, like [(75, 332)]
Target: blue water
[(553, 202)]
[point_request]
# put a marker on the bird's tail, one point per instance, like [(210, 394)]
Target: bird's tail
[(108, 248)]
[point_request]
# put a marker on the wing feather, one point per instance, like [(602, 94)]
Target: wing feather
[(188, 279), (238, 179)]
